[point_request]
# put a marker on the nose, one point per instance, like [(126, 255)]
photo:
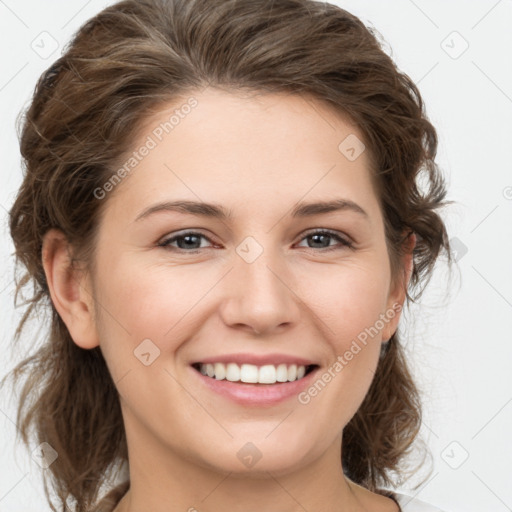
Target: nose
[(259, 297)]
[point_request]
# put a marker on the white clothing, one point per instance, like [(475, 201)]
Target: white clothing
[(410, 504)]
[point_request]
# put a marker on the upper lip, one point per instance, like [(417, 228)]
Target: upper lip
[(257, 359)]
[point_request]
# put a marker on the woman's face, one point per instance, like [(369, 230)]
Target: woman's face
[(261, 284)]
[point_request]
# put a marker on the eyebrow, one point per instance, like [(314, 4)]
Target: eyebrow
[(219, 212)]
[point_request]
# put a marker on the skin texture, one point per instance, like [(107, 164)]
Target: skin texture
[(257, 156)]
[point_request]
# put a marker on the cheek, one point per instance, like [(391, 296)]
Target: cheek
[(168, 303), (349, 299), (350, 309), (140, 302), (157, 300)]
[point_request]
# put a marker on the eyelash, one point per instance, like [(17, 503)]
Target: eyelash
[(343, 241)]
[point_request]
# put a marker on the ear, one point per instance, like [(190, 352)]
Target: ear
[(70, 290), (398, 290)]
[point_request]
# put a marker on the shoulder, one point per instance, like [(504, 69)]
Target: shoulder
[(410, 504)]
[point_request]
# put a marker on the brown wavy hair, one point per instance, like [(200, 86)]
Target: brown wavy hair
[(121, 65)]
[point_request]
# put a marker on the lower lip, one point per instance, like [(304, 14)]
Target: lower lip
[(257, 394)]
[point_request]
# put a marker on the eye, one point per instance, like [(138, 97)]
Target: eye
[(190, 241), (187, 241), (321, 238)]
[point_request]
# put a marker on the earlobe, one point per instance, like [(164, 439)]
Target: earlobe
[(397, 297), (68, 290)]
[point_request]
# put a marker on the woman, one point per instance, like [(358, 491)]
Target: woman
[(222, 211)]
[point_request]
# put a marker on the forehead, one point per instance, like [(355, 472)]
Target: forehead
[(246, 146)]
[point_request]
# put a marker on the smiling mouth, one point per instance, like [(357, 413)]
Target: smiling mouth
[(252, 374)]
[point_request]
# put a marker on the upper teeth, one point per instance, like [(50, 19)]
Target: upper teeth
[(267, 374)]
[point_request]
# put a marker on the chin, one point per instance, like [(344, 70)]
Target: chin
[(256, 459)]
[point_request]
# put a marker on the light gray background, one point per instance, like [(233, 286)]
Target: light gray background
[(459, 337)]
